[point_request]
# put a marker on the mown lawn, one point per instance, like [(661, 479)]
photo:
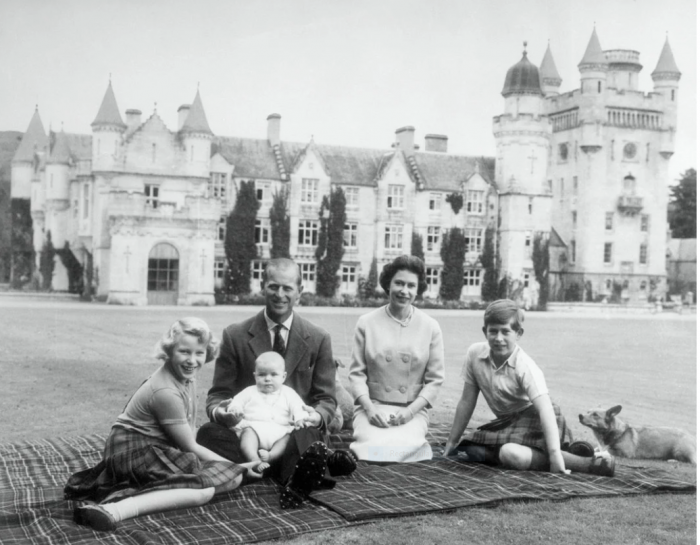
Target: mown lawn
[(69, 368)]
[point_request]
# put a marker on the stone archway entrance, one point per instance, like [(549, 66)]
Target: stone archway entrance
[(163, 274)]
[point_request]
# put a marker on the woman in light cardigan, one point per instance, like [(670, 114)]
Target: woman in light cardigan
[(396, 371)]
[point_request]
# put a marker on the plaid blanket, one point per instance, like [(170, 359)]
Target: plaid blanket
[(33, 511)]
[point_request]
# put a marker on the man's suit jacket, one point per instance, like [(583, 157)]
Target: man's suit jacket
[(308, 362)]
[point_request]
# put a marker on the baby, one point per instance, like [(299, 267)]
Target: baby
[(266, 412)]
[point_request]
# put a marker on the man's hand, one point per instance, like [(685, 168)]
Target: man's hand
[(313, 420), (223, 417)]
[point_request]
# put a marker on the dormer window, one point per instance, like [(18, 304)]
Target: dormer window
[(395, 196), (309, 190), (475, 202)]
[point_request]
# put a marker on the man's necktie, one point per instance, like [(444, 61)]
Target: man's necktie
[(279, 346)]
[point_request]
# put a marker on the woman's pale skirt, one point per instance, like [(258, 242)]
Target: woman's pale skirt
[(404, 443)]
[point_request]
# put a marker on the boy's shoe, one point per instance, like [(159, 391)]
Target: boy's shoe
[(603, 466), (95, 517), (582, 448), (341, 463), (308, 475)]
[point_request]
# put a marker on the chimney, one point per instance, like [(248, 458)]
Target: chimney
[(436, 142), (133, 119), (273, 129), (404, 139), (182, 113)]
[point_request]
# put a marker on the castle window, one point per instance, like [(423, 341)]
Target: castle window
[(472, 277), (217, 185), (151, 191), (219, 268), (352, 196), (433, 238), (673, 95), (529, 206), (644, 223), (643, 285), (350, 235), (257, 268), (308, 233), (434, 202), (475, 202), (221, 229), (86, 200), (308, 272), (607, 253), (262, 231), (472, 240), (573, 251), (262, 191), (575, 184), (348, 278), (600, 85), (393, 237), (526, 280), (643, 254), (395, 196), (432, 277), (609, 221), (574, 217), (309, 190), (153, 153)]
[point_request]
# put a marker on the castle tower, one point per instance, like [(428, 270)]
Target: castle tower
[(593, 68), (27, 157), (196, 138), (522, 142), (550, 80), (107, 131), (666, 77)]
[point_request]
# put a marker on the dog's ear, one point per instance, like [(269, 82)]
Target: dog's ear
[(612, 411)]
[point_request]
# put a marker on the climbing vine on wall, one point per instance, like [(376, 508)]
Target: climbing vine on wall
[(73, 267), (21, 247), (456, 201), (540, 263), (279, 225), (452, 254), (330, 250), (489, 261), (239, 243), (417, 246), (46, 262)]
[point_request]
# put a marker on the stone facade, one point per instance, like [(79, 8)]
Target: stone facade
[(586, 169)]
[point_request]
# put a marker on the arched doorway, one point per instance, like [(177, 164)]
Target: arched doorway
[(163, 274)]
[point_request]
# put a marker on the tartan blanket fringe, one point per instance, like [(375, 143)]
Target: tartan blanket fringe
[(33, 511)]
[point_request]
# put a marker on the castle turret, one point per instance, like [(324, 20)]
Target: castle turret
[(550, 80), (666, 77), (593, 67), (525, 200), (57, 187), (26, 157), (196, 138), (107, 130)]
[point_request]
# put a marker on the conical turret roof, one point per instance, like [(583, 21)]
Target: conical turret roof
[(109, 111), (666, 64), (522, 78), (60, 151), (34, 139), (548, 70), (196, 121), (594, 53)]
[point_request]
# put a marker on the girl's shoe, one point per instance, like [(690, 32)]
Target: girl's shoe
[(96, 517)]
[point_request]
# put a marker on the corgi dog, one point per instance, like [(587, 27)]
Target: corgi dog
[(621, 439)]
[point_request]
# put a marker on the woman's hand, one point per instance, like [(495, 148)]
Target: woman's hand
[(401, 417), (376, 418)]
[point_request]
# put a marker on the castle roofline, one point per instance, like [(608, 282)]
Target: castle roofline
[(34, 139), (196, 121), (108, 114), (667, 63), (594, 53)]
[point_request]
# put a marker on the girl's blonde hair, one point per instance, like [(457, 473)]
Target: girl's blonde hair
[(187, 326)]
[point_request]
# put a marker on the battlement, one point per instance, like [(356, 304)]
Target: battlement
[(123, 203), (623, 56)]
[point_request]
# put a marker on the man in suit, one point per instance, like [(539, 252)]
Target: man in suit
[(310, 368)]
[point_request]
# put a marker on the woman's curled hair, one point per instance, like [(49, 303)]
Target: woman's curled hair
[(408, 263)]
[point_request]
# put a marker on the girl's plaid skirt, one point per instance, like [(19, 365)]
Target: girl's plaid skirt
[(134, 463), (523, 428)]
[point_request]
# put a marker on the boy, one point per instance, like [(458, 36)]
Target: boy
[(267, 412), (529, 430)]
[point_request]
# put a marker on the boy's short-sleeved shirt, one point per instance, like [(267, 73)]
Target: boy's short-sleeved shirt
[(509, 388)]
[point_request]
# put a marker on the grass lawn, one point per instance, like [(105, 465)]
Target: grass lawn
[(69, 368)]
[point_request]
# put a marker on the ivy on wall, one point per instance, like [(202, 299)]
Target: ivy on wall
[(73, 267), (489, 261), (239, 243), (456, 201), (279, 225), (417, 246), (368, 286), (452, 254), (330, 250), (540, 263), (46, 262), (22, 249)]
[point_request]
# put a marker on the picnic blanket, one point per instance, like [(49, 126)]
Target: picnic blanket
[(33, 511)]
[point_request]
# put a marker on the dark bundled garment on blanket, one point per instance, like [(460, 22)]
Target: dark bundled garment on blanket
[(133, 463), (523, 428)]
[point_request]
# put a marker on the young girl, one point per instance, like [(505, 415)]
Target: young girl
[(267, 412), (151, 462)]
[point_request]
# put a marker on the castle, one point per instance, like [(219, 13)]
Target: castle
[(588, 169)]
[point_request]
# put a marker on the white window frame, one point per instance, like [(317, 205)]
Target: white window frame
[(221, 228), (219, 269), (350, 235), (256, 270), (152, 192), (308, 272), (475, 202), (262, 231), (473, 240), (644, 254), (352, 197), (348, 278), (395, 196), (435, 202), (263, 191), (308, 233), (393, 237), (432, 278), (609, 221), (644, 223), (607, 253), (309, 190), (432, 238), (472, 277), (217, 185), (86, 200)]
